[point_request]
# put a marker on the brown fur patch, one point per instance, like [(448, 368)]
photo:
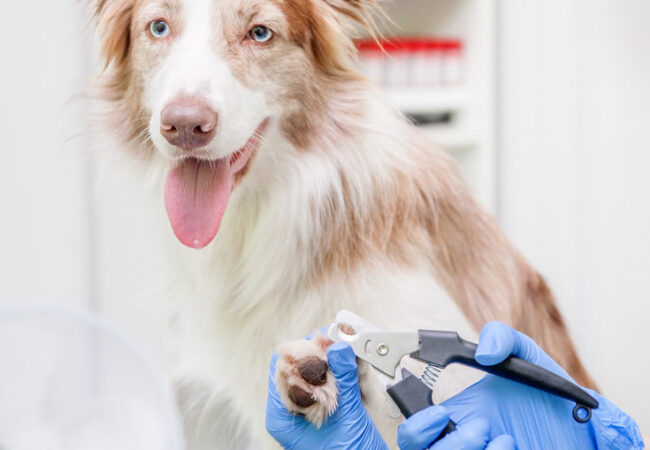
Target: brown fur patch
[(115, 19), (317, 27), (125, 115), (309, 29), (314, 27)]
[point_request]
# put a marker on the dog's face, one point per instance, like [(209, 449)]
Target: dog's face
[(208, 76), (220, 66)]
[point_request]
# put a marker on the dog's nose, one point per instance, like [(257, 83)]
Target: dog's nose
[(188, 123)]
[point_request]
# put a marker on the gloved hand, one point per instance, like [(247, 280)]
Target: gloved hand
[(422, 428), (350, 427), (533, 418)]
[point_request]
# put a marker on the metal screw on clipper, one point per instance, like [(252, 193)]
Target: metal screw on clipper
[(382, 349)]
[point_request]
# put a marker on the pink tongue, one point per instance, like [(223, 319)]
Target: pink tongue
[(196, 195)]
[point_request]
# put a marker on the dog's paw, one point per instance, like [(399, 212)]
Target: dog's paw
[(304, 381)]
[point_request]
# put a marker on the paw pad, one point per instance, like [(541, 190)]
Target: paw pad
[(313, 370)]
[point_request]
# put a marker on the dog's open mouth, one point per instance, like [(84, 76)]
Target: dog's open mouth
[(197, 192)]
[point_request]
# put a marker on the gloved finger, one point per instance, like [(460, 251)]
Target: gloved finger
[(495, 344), (471, 435), (422, 428), (503, 442), (498, 341), (343, 363)]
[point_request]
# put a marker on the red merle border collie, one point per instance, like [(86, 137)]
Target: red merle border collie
[(303, 193)]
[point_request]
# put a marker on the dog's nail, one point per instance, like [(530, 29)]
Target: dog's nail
[(313, 370), (346, 328), (300, 397)]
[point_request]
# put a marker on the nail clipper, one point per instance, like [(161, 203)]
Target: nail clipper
[(384, 350)]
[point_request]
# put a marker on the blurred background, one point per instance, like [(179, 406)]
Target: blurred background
[(546, 105)]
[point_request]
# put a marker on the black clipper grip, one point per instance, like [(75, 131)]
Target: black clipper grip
[(443, 347), (411, 395)]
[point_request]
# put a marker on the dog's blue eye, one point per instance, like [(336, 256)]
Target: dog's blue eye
[(159, 28), (260, 33)]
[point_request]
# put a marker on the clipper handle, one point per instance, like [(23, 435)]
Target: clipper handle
[(411, 395), (445, 347)]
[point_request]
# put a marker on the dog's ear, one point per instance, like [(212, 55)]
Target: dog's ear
[(114, 19), (350, 15), (323, 28)]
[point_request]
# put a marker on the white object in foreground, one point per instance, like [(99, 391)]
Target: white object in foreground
[(70, 382)]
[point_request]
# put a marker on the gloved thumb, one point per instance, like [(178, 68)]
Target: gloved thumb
[(343, 364), (421, 429), (498, 341)]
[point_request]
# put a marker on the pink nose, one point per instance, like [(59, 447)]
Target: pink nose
[(188, 123)]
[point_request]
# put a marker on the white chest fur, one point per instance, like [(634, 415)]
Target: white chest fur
[(228, 346)]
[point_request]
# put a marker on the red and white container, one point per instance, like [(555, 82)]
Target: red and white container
[(397, 64), (412, 62), (452, 66), (432, 74)]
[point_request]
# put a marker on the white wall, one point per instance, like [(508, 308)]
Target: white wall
[(44, 216), (575, 148), (622, 199)]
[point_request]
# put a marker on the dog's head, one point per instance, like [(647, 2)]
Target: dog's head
[(202, 80)]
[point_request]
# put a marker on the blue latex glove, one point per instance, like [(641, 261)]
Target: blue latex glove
[(422, 428), (534, 419), (350, 427)]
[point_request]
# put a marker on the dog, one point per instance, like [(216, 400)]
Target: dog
[(306, 193)]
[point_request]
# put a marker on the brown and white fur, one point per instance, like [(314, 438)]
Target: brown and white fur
[(342, 205)]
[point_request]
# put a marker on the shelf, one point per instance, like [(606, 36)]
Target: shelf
[(427, 100)]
